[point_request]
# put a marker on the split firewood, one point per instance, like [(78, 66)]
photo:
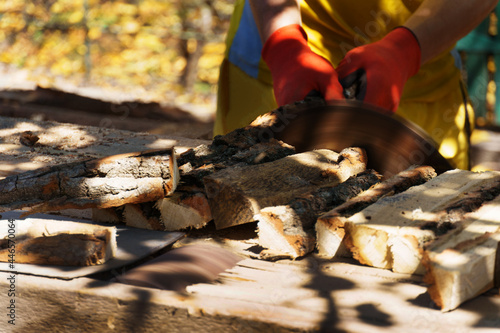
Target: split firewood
[(101, 183), (188, 207), (184, 209), (236, 194), (391, 233), (143, 215), (289, 229), (251, 145), (330, 226), (464, 263), (197, 163), (270, 125)]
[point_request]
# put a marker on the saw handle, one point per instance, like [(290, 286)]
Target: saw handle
[(354, 86)]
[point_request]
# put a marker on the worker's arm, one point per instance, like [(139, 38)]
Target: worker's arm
[(439, 24), (270, 15), (295, 68)]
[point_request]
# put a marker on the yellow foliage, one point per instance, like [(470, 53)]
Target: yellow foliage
[(148, 41), (94, 33), (76, 17), (129, 43), (12, 21), (11, 5)]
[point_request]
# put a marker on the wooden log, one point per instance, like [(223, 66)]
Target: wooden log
[(236, 194), (330, 226), (101, 183), (289, 229), (463, 264), (189, 207), (391, 233), (184, 209)]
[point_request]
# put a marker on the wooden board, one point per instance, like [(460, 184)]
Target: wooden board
[(311, 296)]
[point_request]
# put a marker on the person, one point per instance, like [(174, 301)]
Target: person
[(401, 53)]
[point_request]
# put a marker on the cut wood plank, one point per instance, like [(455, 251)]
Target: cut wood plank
[(289, 229), (108, 182), (236, 194), (463, 264), (330, 226), (184, 209), (63, 244), (392, 232)]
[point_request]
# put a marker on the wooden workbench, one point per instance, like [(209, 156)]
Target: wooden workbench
[(310, 294)]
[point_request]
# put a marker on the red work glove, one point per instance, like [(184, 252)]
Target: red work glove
[(296, 69), (382, 68)]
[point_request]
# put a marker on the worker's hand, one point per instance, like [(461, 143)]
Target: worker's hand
[(296, 69), (382, 68)]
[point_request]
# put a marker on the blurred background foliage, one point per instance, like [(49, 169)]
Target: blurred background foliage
[(170, 49)]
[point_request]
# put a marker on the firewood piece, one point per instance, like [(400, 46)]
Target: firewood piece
[(463, 264), (143, 216), (101, 183), (392, 232), (64, 243), (236, 194), (290, 229), (330, 226), (184, 209)]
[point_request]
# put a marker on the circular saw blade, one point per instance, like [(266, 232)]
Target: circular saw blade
[(392, 143)]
